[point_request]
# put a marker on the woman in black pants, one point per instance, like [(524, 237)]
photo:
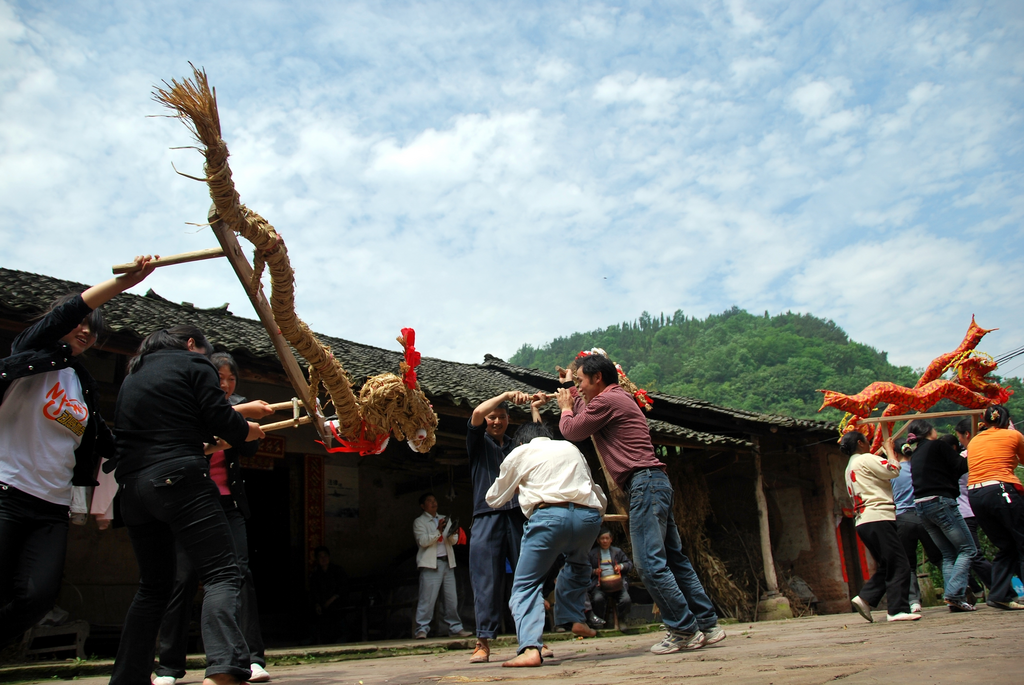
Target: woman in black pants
[(226, 472), (998, 501), (169, 406), (51, 437)]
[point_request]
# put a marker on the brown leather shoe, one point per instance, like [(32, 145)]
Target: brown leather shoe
[(481, 653)]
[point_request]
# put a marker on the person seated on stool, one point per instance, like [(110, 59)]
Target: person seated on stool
[(610, 566), (436, 561)]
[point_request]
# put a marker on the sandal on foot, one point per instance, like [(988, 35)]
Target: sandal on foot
[(481, 653)]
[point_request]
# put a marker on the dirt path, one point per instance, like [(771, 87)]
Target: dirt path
[(982, 647)]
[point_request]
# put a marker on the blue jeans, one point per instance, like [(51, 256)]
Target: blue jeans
[(431, 582), (658, 555), (941, 518), (550, 532)]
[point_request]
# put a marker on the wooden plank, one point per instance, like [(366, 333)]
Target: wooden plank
[(182, 258), (243, 269), (910, 417), (614, 493)]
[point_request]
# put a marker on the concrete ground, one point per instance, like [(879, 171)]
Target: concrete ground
[(981, 647)]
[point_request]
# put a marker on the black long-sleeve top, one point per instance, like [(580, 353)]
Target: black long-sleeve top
[(40, 348), (935, 469), (169, 407)]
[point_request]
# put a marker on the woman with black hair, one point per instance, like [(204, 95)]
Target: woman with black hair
[(226, 473), (868, 479), (936, 471), (169, 406), (51, 438), (996, 498)]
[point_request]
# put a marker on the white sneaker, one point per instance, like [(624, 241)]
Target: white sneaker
[(715, 633), (164, 680), (915, 608), (259, 674), (902, 617), (677, 640), (863, 608)]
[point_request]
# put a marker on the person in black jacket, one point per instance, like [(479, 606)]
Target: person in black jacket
[(226, 472), (608, 562), (169, 407), (51, 437), (935, 471)]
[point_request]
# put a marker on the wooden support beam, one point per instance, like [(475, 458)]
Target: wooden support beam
[(182, 258), (767, 557), (243, 269)]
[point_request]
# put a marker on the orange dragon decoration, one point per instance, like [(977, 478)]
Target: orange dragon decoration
[(969, 388)]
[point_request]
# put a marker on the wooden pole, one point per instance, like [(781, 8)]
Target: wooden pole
[(240, 263), (616, 495), (290, 423), (767, 557), (182, 258), (910, 417)]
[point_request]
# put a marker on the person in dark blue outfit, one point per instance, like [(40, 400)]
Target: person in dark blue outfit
[(51, 437), (496, 533)]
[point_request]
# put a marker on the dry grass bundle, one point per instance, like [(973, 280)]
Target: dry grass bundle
[(691, 508), (195, 104)]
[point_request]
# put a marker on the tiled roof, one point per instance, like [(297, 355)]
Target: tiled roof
[(25, 294)]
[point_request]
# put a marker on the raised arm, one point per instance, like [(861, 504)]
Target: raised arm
[(538, 401), (103, 292), (487, 406)]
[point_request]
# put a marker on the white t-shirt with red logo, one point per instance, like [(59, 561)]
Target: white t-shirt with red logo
[(42, 420)]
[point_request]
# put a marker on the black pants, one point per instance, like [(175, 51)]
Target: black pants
[(981, 566), (1003, 523), (174, 628), (911, 531), (176, 500), (623, 602), (33, 542), (892, 574)]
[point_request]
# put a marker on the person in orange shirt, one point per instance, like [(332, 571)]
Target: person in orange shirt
[(997, 498)]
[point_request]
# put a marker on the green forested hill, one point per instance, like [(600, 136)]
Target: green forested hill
[(761, 363)]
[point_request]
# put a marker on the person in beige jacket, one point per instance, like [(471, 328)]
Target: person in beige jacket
[(436, 561)]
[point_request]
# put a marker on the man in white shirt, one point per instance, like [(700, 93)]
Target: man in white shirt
[(564, 507), (436, 561)]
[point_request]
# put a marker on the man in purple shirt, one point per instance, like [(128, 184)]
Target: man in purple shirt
[(601, 409)]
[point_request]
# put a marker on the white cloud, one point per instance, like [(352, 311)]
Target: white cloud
[(441, 164)]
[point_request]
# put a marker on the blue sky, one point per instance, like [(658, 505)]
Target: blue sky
[(494, 174)]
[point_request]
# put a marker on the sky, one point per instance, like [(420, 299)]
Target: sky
[(494, 174)]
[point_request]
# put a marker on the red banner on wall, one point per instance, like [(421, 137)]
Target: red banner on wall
[(314, 479)]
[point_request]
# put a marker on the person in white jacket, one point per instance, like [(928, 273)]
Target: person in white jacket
[(436, 561)]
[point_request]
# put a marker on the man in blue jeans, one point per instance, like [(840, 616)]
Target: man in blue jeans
[(563, 506), (601, 409)]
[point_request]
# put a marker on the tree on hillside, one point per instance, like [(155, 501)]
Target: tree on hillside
[(760, 363)]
